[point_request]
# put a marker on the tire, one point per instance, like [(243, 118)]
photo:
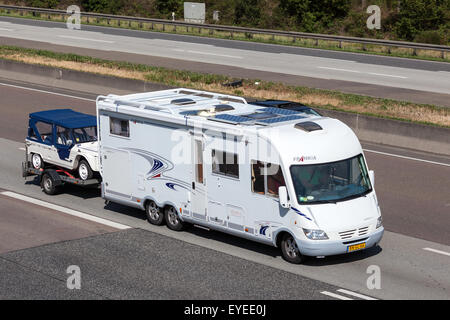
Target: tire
[(153, 213), (85, 171), (290, 251), (172, 220), (48, 185), (36, 161)]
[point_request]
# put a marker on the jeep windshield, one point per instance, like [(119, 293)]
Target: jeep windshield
[(331, 182), (87, 134)]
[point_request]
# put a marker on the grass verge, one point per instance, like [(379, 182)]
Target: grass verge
[(431, 55), (324, 99)]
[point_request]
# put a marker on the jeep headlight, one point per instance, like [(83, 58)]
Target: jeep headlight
[(315, 234)]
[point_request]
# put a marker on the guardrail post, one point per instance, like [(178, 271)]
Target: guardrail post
[(294, 39), (340, 44), (414, 52), (443, 54), (317, 42), (118, 22), (164, 27)]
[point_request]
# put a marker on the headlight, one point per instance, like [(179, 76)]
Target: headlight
[(315, 234), (379, 222)]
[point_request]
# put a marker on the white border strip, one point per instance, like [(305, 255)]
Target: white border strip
[(358, 295), (334, 295), (408, 158), (65, 210), (437, 251)]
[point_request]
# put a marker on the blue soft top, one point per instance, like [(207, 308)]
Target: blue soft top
[(66, 118)]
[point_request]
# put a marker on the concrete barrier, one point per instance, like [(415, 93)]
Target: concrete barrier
[(371, 129)]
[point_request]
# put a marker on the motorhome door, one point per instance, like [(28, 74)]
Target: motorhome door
[(198, 193)]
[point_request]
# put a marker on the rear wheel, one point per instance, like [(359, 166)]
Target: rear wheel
[(36, 161), (84, 170), (290, 250), (48, 184), (154, 214), (172, 220)]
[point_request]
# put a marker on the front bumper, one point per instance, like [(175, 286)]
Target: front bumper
[(317, 248)]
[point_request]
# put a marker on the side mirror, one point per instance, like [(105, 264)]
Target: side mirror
[(372, 178), (282, 193)]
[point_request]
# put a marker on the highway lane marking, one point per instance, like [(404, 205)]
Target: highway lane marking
[(43, 91), (408, 158), (86, 39), (65, 210), (358, 295), (371, 73), (6, 29), (437, 251), (337, 69), (21, 148), (208, 53), (387, 75), (334, 295)]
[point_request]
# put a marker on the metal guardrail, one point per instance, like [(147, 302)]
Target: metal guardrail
[(249, 32)]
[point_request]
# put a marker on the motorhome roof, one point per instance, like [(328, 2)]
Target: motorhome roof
[(208, 106)]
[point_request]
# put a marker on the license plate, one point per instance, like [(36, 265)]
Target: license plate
[(356, 247)]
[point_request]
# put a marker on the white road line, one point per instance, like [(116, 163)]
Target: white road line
[(372, 73), (5, 29), (387, 75), (356, 294), (23, 149), (408, 158), (65, 210), (86, 39), (43, 91), (334, 295), (208, 53), (437, 251), (337, 69)]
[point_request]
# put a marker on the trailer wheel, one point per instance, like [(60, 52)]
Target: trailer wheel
[(48, 184), (290, 251), (84, 170), (36, 161), (154, 214), (172, 220)]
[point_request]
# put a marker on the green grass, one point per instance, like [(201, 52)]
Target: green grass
[(278, 40)]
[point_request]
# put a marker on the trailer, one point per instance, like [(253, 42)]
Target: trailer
[(281, 177), (52, 178)]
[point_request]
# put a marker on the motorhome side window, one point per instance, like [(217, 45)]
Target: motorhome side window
[(266, 178), (119, 127), (225, 163)]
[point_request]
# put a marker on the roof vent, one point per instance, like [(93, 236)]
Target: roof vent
[(308, 126), (182, 101)]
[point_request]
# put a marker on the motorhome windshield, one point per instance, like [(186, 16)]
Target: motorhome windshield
[(331, 182)]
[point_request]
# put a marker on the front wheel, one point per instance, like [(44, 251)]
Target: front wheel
[(172, 220), (290, 250)]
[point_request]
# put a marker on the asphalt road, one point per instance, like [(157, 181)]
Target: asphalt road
[(413, 195), (404, 79)]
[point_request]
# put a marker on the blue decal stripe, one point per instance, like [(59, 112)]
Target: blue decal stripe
[(301, 214)]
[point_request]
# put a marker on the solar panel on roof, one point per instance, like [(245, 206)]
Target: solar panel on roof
[(280, 119), (231, 118), (279, 111)]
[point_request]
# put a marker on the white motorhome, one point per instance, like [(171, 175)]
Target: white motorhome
[(284, 178)]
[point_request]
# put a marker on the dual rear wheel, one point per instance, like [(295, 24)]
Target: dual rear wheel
[(158, 216)]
